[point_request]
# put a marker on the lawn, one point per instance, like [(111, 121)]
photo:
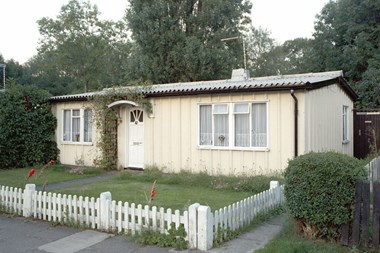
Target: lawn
[(176, 191), (290, 241), (53, 174)]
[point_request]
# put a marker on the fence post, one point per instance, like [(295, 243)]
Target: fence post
[(205, 228), (27, 208), (274, 184), (105, 210), (193, 222)]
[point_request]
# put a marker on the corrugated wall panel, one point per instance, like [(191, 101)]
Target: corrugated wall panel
[(324, 120), (172, 138)]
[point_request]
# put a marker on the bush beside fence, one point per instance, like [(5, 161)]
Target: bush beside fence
[(103, 213)]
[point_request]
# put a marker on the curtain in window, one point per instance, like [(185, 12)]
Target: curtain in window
[(87, 126), (66, 125), (205, 125), (259, 125), (221, 137), (242, 135), (242, 130), (76, 126)]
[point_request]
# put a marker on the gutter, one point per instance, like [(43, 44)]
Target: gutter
[(295, 123)]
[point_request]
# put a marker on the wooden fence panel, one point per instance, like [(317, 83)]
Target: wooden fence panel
[(376, 214), (364, 234)]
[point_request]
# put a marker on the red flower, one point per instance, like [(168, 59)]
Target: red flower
[(31, 173), (153, 191)]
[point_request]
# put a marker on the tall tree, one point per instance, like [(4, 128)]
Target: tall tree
[(80, 44), (258, 44), (181, 40), (347, 36)]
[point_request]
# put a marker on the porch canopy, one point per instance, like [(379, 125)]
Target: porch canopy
[(122, 102)]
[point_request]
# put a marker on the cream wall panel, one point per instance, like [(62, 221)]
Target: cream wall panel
[(73, 153), (323, 120), (173, 136), (122, 134)]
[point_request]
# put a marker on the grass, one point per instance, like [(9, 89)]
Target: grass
[(53, 174), (176, 191), (290, 241)]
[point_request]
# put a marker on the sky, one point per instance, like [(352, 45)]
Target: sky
[(285, 19)]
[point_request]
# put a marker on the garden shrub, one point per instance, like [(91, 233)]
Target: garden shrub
[(27, 127), (320, 191)]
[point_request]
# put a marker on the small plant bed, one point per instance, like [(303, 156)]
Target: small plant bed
[(290, 241), (176, 191), (53, 174)]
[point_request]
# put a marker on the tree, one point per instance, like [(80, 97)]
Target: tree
[(80, 46), (347, 36), (292, 57), (181, 40), (258, 44)]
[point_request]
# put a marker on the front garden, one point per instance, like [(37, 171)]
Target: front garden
[(176, 191)]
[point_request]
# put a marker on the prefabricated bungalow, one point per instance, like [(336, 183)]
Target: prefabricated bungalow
[(239, 126)]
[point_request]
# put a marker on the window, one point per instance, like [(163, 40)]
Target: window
[(205, 128), (220, 118), (233, 125), (345, 124), (87, 125), (74, 129), (242, 126)]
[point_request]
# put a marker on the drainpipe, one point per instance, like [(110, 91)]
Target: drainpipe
[(295, 123)]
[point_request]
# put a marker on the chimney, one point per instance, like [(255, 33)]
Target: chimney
[(240, 75)]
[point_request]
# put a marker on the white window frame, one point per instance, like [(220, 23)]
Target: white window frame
[(345, 125), (81, 118), (231, 126)]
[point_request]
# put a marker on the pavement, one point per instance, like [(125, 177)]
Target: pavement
[(26, 235)]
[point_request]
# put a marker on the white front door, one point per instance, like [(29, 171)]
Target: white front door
[(136, 138)]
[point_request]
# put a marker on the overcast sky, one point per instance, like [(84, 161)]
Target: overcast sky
[(285, 19)]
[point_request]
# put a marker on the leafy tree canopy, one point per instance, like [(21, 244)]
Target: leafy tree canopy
[(79, 46), (347, 36), (181, 40)]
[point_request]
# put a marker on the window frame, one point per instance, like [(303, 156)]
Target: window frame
[(82, 121), (231, 125)]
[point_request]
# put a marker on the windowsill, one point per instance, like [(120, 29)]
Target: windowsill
[(264, 149), (345, 142), (77, 143)]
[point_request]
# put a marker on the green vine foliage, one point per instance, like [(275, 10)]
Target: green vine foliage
[(175, 238), (107, 119), (27, 127)]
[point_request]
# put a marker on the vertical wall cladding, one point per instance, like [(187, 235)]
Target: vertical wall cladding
[(324, 120), (122, 135), (74, 153), (171, 136)]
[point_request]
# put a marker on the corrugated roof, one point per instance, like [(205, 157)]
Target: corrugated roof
[(298, 81)]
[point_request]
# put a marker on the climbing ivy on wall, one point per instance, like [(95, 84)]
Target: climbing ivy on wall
[(107, 119)]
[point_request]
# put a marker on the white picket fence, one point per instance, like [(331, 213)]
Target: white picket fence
[(106, 214), (373, 168), (242, 213)]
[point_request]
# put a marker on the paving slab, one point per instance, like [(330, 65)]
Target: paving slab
[(75, 242), (253, 240)]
